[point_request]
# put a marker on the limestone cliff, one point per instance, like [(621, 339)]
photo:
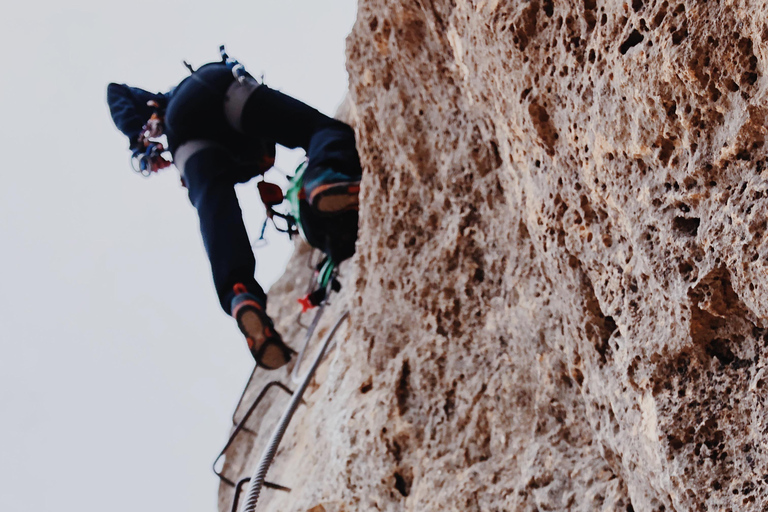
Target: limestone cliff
[(556, 299)]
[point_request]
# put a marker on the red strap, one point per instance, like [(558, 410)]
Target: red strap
[(306, 303)]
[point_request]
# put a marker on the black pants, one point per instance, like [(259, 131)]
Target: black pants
[(212, 173)]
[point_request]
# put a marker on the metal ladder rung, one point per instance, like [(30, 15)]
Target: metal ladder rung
[(241, 427)]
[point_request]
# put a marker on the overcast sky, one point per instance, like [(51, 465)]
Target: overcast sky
[(118, 371)]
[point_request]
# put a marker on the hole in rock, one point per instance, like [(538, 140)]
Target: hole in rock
[(634, 39), (687, 226), (401, 485)]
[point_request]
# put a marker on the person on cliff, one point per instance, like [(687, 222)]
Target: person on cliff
[(221, 127)]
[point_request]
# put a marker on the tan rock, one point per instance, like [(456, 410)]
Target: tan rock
[(556, 302)]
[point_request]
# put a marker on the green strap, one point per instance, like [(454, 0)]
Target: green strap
[(294, 192), (292, 195), (326, 273)]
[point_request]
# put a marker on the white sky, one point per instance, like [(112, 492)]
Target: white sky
[(118, 370)]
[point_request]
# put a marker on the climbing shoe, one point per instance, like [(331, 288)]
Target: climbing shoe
[(336, 197), (265, 344)]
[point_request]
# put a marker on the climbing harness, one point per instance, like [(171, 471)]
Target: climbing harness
[(148, 158), (238, 70)]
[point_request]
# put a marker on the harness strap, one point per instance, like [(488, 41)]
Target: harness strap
[(295, 194), (235, 99), (188, 150)]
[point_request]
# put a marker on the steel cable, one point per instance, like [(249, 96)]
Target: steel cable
[(269, 453)]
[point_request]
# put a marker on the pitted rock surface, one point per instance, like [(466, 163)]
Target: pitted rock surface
[(557, 301)]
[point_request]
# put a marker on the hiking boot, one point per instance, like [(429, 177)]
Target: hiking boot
[(265, 344)]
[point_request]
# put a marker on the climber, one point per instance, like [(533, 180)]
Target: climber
[(221, 127)]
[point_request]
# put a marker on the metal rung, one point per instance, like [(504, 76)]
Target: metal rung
[(241, 426), (242, 395), (239, 489)]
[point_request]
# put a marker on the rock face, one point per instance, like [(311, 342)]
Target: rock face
[(556, 299)]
